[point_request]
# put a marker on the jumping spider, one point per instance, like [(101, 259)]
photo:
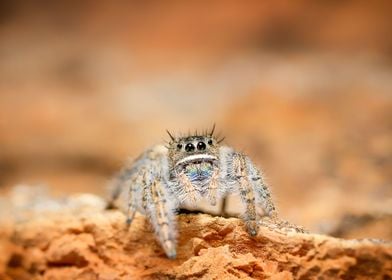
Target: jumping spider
[(196, 166)]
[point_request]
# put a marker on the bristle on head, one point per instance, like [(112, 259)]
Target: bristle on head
[(171, 136), (212, 130), (203, 133), (221, 139)]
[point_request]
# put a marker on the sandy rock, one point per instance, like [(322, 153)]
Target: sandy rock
[(96, 244)]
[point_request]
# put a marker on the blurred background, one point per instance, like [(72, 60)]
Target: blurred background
[(303, 87)]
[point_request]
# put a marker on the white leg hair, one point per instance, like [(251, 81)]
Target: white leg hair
[(149, 192), (240, 174), (159, 207), (263, 194)]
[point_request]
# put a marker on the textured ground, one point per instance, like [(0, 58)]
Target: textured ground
[(75, 238)]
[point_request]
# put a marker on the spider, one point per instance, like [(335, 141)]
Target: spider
[(188, 169)]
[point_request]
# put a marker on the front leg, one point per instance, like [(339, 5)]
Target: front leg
[(246, 190), (238, 172), (158, 203), (150, 192), (160, 209), (263, 194)]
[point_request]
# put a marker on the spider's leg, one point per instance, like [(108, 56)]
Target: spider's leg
[(135, 183), (246, 192), (263, 194), (235, 170), (149, 192), (156, 198), (121, 180), (130, 213), (126, 185), (110, 203), (159, 207)]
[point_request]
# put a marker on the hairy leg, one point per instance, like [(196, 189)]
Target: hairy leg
[(156, 198), (148, 190), (159, 207), (116, 188), (262, 192), (240, 174), (247, 194), (135, 183)]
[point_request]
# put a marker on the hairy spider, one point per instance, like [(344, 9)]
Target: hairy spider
[(191, 167)]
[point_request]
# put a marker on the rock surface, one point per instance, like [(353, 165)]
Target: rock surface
[(81, 240)]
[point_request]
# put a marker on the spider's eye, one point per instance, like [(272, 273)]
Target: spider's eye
[(201, 146), (189, 147), (179, 146), (209, 142)]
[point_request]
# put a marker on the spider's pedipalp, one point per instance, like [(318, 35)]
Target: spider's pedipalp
[(185, 190), (214, 188)]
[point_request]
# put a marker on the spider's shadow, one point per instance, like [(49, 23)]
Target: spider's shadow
[(187, 211), (111, 206)]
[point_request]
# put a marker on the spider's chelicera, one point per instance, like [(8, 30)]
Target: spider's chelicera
[(189, 168)]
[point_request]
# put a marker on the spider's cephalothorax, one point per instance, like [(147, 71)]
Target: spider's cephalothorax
[(193, 164), (164, 178)]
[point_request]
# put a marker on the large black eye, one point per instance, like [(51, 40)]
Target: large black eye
[(179, 146), (201, 146), (189, 147)]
